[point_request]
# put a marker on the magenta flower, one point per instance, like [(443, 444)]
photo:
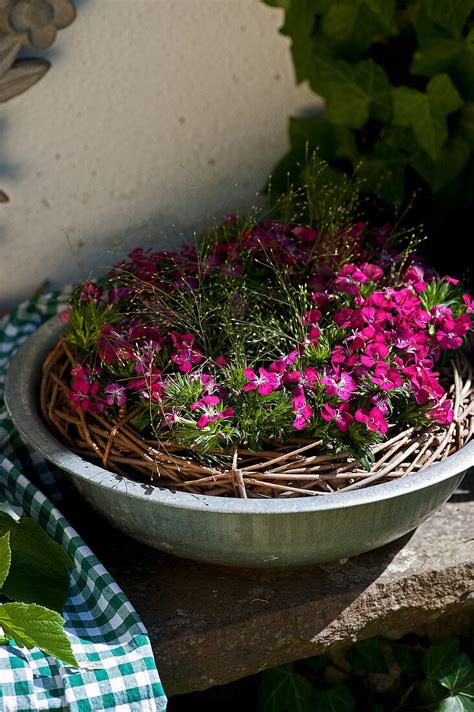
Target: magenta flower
[(115, 394), (451, 332), (424, 383), (308, 379), (385, 377), (374, 352), (341, 384), (442, 414), (303, 411), (372, 272), (82, 393), (340, 415), (373, 419), (210, 413), (415, 276), (469, 302), (265, 383), (186, 355), (349, 279)]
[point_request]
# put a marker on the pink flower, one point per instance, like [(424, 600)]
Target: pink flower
[(265, 383), (451, 332), (305, 234), (374, 352), (349, 279), (210, 412), (385, 377), (303, 411), (451, 280), (415, 276), (424, 382), (343, 317), (82, 393), (186, 356), (312, 316), (308, 379), (469, 302), (372, 272), (374, 419), (115, 394), (340, 415), (442, 414), (341, 384)]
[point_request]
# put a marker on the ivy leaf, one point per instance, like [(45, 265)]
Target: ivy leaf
[(282, 689), (337, 699), (300, 23), (453, 158), (40, 569), (366, 655), (351, 25), (5, 557), (436, 57), (459, 677), (383, 172), (331, 140), (439, 656), (353, 92), (451, 15), (426, 112), (431, 691), (466, 122), (33, 626)]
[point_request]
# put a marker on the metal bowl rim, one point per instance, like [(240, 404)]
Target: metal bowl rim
[(29, 423)]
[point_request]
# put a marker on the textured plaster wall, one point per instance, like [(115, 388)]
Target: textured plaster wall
[(156, 116)]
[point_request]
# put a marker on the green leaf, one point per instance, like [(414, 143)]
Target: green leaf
[(350, 26), (337, 699), (383, 172), (431, 691), (466, 123), (300, 23), (439, 656), (452, 159), (459, 680), (451, 15), (5, 557), (331, 140), (437, 57), (426, 113), (457, 703), (459, 677), (366, 655), (282, 690), (39, 571), (353, 92), (33, 626)]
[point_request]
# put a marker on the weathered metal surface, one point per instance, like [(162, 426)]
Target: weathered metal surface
[(261, 533)]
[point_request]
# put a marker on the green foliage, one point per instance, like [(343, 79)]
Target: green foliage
[(440, 679), (33, 626), (34, 570), (39, 571), (398, 84), (86, 320), (283, 689)]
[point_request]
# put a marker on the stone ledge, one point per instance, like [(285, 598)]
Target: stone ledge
[(210, 625)]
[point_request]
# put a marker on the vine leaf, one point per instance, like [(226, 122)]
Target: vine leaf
[(353, 92), (5, 557), (23, 74), (426, 112), (31, 626)]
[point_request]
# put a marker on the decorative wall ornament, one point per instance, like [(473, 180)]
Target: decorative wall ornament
[(32, 24)]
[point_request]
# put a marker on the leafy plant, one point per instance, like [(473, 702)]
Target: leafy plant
[(34, 571), (398, 82)]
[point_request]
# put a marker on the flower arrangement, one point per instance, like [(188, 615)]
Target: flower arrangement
[(311, 345)]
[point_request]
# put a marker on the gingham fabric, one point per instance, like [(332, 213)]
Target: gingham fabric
[(101, 623)]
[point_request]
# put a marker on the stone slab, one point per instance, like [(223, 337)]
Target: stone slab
[(210, 625)]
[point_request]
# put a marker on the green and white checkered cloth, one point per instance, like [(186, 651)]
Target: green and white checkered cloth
[(101, 623)]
